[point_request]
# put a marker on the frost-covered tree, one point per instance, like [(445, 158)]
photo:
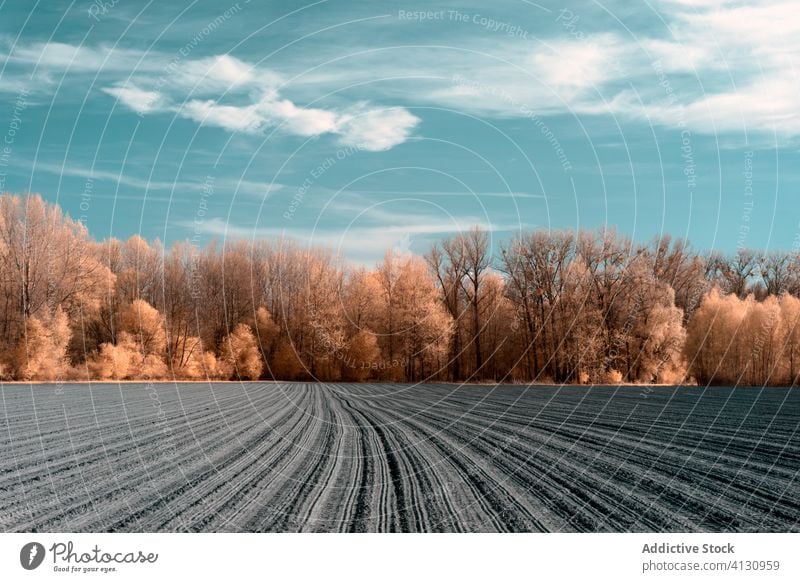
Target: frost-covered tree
[(241, 354), (421, 325), (588, 306), (47, 262), (266, 331), (362, 357), (145, 326), (42, 351)]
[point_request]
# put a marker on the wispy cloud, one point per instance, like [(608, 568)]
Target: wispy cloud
[(61, 56), (422, 194), (572, 67), (229, 117), (732, 66), (227, 185), (134, 98), (77, 171), (376, 129), (218, 91), (349, 242), (222, 71), (371, 128)]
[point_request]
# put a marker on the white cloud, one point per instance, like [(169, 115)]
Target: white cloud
[(764, 25), (297, 120), (742, 38), (377, 129), (229, 117), (747, 59), (729, 67), (371, 129), (229, 70), (137, 99), (571, 67), (221, 73), (220, 91), (681, 57), (772, 105), (374, 129)]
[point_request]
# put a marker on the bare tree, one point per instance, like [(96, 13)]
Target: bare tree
[(446, 261)]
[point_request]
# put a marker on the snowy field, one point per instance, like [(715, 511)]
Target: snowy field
[(302, 457)]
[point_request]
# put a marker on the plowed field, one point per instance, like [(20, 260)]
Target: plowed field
[(342, 457)]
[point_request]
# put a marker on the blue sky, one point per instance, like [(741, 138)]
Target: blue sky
[(374, 125)]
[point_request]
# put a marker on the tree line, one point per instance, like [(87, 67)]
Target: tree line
[(548, 306)]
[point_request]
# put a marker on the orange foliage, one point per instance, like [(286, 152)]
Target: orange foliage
[(591, 306), (241, 354)]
